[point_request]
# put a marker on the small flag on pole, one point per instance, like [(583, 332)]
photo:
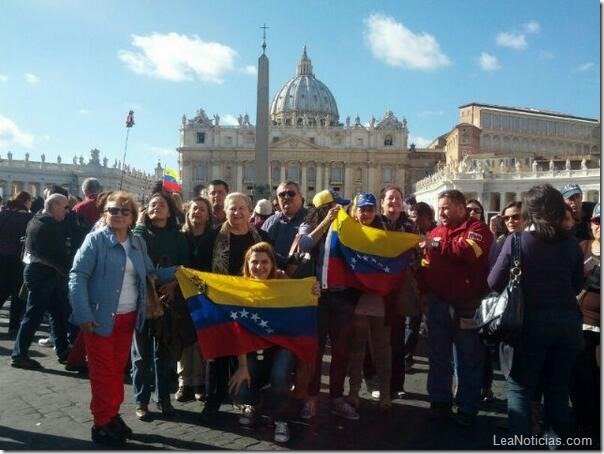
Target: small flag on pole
[(171, 180), (130, 119)]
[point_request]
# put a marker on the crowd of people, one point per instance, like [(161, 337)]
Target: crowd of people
[(87, 266)]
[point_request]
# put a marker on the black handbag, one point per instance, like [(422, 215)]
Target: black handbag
[(500, 316)]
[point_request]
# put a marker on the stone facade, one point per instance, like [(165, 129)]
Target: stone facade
[(497, 153), (34, 176), (307, 144)]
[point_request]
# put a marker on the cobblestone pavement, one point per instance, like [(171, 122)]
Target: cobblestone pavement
[(49, 410)]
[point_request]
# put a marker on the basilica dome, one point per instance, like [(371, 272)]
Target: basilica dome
[(304, 100)]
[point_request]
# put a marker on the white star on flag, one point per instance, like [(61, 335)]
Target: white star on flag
[(263, 324), (243, 313), (386, 269), (255, 317), (268, 330), (234, 315)]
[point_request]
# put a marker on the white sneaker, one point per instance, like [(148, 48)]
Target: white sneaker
[(281, 432), (309, 410), (342, 408), (375, 395), (46, 342), (247, 415)]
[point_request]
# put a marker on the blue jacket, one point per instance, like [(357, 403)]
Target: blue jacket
[(95, 279)]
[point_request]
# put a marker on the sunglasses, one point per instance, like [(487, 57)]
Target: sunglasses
[(513, 217), (116, 210), (475, 210), (287, 193), (595, 221)]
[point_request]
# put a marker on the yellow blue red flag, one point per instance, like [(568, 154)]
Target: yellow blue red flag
[(235, 315), (369, 259), (171, 180)]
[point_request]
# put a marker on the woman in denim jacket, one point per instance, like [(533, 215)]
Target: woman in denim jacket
[(107, 290)]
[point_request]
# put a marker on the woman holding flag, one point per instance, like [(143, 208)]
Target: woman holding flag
[(273, 365), (368, 322)]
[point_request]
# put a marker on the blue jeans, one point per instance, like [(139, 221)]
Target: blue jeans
[(275, 369), (152, 365), (444, 333), (545, 356), (47, 292)]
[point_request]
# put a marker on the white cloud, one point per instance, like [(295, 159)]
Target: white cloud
[(3, 78), (84, 111), (249, 70), (488, 62), (431, 113), (419, 142), (517, 39), (584, 67), (177, 57), (394, 44), (31, 78), (162, 151), (228, 120), (513, 40), (532, 27), (10, 134), (546, 55)]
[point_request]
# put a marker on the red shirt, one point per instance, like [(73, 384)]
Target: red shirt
[(456, 271), (88, 210)]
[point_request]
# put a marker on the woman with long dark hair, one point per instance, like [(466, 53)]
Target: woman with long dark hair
[(552, 276), (13, 222), (152, 357)]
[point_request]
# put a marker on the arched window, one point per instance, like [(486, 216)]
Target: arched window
[(388, 141)]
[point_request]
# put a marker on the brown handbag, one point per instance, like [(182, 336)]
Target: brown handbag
[(154, 308)]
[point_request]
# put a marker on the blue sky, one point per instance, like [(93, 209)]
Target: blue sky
[(70, 70)]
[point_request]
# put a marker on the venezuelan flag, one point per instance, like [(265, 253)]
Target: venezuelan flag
[(235, 315), (170, 180), (366, 258)]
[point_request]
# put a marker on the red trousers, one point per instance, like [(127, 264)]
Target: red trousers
[(107, 359)]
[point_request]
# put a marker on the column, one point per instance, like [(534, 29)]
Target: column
[(216, 174), (326, 174), (502, 201), (239, 177), (372, 179), (303, 182), (518, 196), (283, 173), (347, 179), (319, 177)]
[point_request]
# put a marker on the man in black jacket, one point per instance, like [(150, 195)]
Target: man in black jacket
[(46, 278)]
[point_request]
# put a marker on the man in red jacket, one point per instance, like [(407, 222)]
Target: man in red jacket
[(454, 276)]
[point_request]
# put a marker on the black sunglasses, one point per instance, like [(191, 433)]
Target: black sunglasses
[(475, 210), (287, 193), (116, 210), (513, 217), (595, 221)]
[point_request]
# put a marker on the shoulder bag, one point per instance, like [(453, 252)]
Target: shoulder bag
[(500, 317), (154, 308)]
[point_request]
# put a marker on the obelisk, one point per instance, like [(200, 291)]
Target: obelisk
[(262, 189)]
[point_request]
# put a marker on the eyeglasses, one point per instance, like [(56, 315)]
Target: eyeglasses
[(475, 210), (287, 193), (116, 210), (513, 217), (595, 221)]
